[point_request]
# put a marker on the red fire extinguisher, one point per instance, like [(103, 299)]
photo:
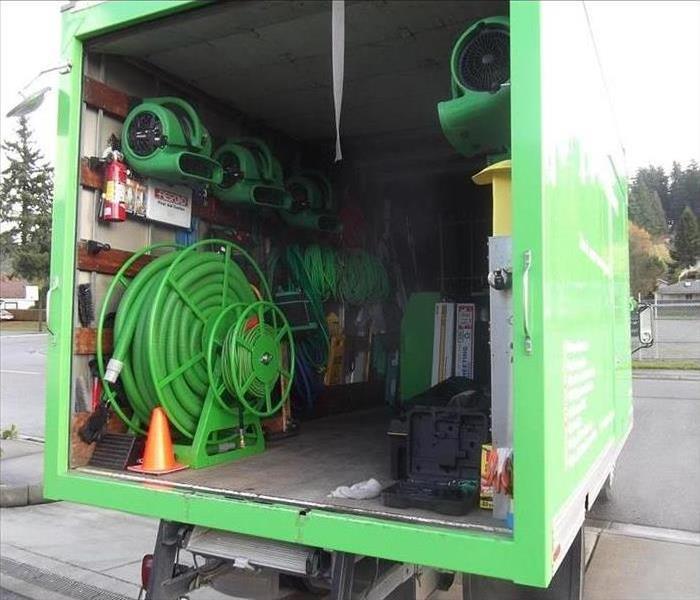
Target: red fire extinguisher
[(114, 193)]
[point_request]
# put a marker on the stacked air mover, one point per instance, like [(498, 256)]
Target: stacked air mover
[(165, 138), (252, 175), (477, 119), (311, 205)]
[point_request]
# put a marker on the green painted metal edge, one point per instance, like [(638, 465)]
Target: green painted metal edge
[(524, 559), (118, 14), (62, 279), (446, 548)]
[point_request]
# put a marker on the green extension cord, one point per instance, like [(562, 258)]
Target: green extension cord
[(362, 279), (320, 264), (188, 326), (353, 276)]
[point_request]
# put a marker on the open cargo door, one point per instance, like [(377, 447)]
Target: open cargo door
[(571, 336)]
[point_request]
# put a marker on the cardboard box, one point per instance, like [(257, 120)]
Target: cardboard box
[(443, 342)]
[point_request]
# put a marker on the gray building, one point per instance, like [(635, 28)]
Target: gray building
[(686, 290)]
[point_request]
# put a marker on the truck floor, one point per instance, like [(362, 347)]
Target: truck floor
[(302, 470)]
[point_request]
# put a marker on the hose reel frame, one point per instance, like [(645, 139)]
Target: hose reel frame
[(221, 417)]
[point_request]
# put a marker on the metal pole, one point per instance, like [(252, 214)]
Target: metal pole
[(655, 329)]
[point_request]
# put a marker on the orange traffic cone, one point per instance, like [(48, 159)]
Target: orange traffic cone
[(158, 456)]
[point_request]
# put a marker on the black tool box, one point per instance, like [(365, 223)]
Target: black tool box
[(443, 460)]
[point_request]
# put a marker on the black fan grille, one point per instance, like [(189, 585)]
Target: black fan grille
[(484, 63), (232, 169), (145, 134)]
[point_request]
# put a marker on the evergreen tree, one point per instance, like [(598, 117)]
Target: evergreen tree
[(674, 192), (655, 179), (645, 209), (692, 186), (684, 190), (686, 243), (26, 195)]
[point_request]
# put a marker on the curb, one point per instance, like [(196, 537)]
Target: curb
[(660, 377), (12, 496), (22, 494), (668, 374)]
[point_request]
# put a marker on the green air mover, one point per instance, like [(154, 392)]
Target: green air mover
[(477, 119), (164, 138), (311, 202), (196, 333), (252, 175)]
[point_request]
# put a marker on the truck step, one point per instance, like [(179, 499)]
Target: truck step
[(251, 552)]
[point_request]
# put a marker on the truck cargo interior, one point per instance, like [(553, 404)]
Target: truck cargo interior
[(345, 377)]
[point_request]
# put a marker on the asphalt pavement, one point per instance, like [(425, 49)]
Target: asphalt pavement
[(22, 382), (657, 475)]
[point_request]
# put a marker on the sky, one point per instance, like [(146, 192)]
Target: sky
[(30, 35), (650, 53)]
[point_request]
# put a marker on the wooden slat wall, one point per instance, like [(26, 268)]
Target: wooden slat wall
[(85, 341), (90, 178), (108, 262), (109, 99)]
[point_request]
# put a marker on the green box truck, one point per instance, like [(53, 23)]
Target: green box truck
[(189, 319)]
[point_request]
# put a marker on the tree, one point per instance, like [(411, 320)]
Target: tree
[(646, 266), (692, 186), (685, 250), (645, 209), (26, 195), (655, 179), (684, 190)]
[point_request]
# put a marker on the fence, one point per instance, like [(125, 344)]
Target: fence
[(676, 327)]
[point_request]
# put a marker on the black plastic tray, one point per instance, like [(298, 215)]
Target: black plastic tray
[(428, 495)]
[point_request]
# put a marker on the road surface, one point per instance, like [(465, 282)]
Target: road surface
[(22, 387), (656, 479)]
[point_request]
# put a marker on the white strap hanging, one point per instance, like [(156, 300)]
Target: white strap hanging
[(338, 56)]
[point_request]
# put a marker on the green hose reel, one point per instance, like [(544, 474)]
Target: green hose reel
[(165, 138), (311, 205), (477, 119), (251, 174), (192, 336)]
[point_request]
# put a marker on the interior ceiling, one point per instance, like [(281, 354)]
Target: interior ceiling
[(272, 60)]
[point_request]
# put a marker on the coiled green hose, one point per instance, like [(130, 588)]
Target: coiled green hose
[(324, 273), (320, 263), (168, 321), (363, 278)]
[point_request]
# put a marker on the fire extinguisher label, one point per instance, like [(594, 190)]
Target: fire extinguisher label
[(115, 192)]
